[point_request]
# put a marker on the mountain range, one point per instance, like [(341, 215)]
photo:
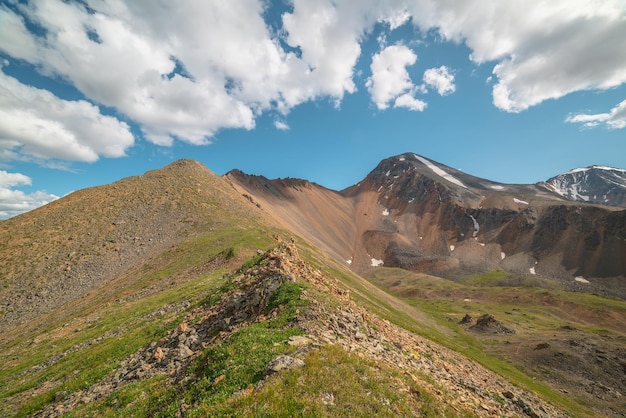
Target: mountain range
[(184, 293), (420, 215)]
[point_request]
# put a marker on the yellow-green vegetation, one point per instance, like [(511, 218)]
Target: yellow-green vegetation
[(537, 314), (505, 279), (233, 365), (335, 383), (81, 344), (229, 378)]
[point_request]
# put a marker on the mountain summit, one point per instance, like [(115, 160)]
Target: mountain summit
[(594, 184)]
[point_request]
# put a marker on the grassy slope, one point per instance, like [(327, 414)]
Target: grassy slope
[(129, 319), (538, 315), (108, 326)]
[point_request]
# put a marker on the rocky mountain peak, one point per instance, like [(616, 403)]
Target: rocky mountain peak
[(594, 184)]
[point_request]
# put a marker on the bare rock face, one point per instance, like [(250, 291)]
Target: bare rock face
[(416, 214), (427, 217), (283, 362), (467, 319), (488, 324)]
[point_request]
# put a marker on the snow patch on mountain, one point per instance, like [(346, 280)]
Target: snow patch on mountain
[(377, 263), (442, 173), (596, 167), (476, 226), (521, 202), (595, 184)]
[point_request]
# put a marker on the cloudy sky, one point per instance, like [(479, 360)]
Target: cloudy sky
[(515, 91)]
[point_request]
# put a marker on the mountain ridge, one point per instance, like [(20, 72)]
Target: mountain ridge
[(414, 213)]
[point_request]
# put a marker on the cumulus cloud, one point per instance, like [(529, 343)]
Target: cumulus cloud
[(614, 119), (390, 79), (281, 126), (440, 79), (13, 179), (542, 50), (12, 201), (43, 126), (408, 101), (183, 71)]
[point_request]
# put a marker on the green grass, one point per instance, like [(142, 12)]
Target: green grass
[(533, 312), (234, 364), (502, 278), (335, 383), (125, 322)]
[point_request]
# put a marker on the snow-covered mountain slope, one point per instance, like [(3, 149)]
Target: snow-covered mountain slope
[(594, 184)]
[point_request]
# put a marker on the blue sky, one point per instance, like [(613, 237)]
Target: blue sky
[(94, 91)]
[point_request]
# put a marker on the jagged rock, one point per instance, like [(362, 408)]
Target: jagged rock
[(184, 352), (488, 324), (467, 319), (158, 354), (299, 341)]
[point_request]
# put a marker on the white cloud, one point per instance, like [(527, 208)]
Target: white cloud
[(13, 202), (281, 126), (614, 119), (13, 179), (186, 70), (16, 40), (407, 100), (38, 124), (440, 79), (543, 50), (389, 78)]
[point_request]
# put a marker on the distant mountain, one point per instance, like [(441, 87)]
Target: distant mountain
[(420, 215), (594, 184)]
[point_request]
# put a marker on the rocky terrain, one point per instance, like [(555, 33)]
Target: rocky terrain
[(412, 213), (60, 252), (458, 382)]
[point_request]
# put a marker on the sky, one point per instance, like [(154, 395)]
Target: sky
[(92, 91)]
